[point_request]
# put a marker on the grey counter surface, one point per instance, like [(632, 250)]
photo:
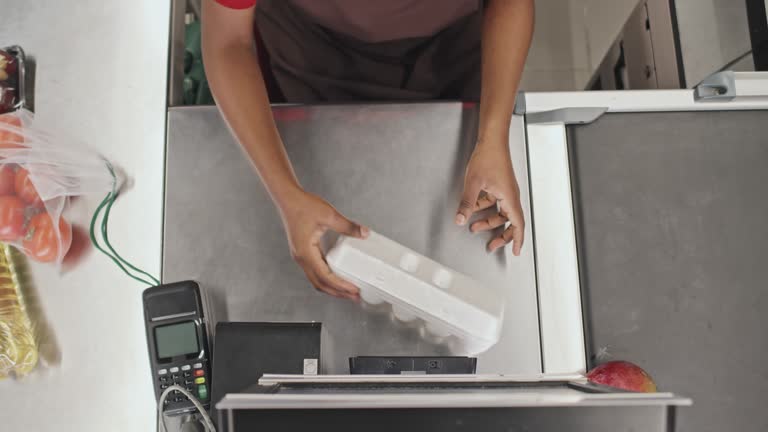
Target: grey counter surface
[(395, 168), (672, 212)]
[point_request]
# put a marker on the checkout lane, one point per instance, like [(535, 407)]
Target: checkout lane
[(86, 349)]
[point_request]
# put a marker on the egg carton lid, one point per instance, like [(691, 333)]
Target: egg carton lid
[(442, 297)]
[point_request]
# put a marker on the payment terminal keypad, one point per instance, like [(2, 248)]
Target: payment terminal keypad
[(190, 376)]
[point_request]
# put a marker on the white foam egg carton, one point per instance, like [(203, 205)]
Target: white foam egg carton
[(447, 306)]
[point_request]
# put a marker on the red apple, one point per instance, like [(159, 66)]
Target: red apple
[(623, 375)]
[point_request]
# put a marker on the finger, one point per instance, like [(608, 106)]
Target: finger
[(472, 190), (514, 234), (514, 212), (334, 282), (485, 201), (327, 278), (314, 266), (488, 224), (342, 225), (518, 236), (500, 241), (322, 288)]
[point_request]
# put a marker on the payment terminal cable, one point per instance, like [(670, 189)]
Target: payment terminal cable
[(161, 427), (106, 206)]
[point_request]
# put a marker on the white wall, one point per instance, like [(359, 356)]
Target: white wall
[(600, 21), (570, 39), (712, 34), (551, 61), (573, 36)]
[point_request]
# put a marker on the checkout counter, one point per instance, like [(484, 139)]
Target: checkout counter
[(443, 403), (667, 216), (627, 194)]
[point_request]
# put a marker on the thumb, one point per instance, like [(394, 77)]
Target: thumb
[(344, 226), (468, 199)]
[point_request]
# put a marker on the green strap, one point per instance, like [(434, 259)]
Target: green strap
[(122, 263)]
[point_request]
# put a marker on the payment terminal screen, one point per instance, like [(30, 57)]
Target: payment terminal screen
[(176, 339)]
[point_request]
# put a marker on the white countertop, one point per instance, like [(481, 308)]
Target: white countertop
[(101, 76)]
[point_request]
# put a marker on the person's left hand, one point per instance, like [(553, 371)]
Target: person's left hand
[(490, 180)]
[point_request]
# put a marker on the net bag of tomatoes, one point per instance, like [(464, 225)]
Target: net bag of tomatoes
[(39, 174)]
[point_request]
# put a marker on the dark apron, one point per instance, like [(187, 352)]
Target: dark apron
[(311, 63)]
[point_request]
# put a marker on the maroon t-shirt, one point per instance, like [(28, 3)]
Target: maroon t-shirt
[(381, 20)]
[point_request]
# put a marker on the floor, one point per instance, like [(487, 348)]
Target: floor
[(570, 39)]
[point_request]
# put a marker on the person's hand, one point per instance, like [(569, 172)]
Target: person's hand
[(490, 180), (306, 218)]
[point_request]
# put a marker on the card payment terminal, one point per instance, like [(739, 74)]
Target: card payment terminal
[(177, 339)]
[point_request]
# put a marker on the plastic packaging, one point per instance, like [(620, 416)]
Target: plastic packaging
[(12, 75), (39, 173), (449, 307), (18, 347)]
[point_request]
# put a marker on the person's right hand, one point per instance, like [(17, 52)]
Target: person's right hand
[(306, 217)]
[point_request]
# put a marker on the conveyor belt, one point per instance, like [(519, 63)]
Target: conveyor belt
[(671, 212)]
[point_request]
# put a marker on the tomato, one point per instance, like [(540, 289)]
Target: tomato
[(11, 218), (7, 179), (42, 242), (25, 189), (10, 139)]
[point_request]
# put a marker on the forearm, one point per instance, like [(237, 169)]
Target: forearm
[(507, 32), (238, 86)]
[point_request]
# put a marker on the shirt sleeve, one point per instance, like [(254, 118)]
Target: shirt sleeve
[(237, 4)]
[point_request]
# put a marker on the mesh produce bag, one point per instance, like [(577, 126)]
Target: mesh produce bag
[(39, 173)]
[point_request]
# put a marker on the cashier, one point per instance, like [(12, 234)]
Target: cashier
[(355, 50)]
